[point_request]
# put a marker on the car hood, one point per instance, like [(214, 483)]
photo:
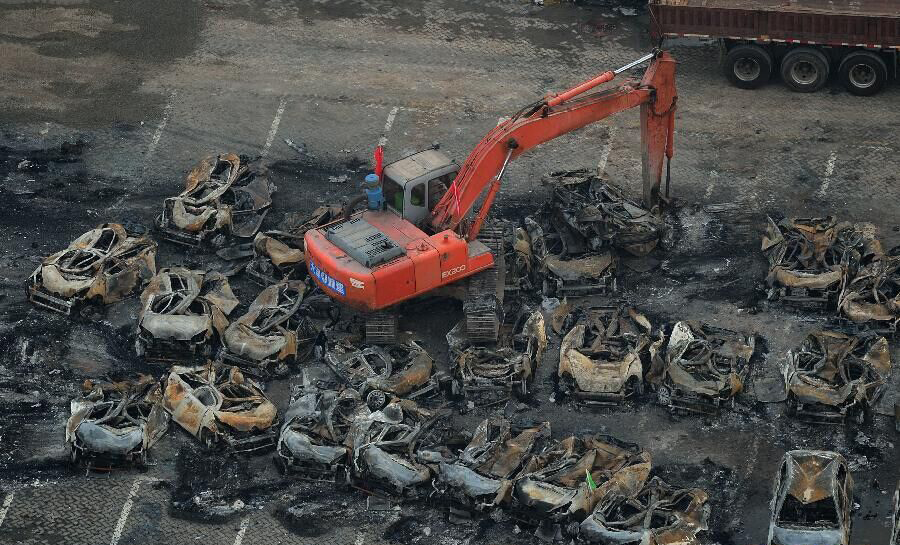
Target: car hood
[(105, 440)]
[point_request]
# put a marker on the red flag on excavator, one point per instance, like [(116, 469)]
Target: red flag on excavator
[(379, 160)]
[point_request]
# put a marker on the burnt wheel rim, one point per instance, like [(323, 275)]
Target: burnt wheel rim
[(862, 76), (747, 69), (804, 73)]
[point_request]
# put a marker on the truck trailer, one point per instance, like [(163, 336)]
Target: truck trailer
[(804, 41)]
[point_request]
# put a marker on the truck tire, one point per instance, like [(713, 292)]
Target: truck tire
[(748, 66), (805, 70), (863, 73)]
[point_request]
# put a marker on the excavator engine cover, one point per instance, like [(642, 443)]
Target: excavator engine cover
[(363, 242)]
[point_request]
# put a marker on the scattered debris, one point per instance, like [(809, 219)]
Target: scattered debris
[(704, 367), (833, 375), (223, 195), (600, 359), (116, 422), (182, 313), (220, 407), (105, 264), (813, 498)]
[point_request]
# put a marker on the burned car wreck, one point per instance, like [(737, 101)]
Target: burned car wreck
[(183, 313), (116, 422), (832, 376), (872, 296), (490, 375), (224, 196), (601, 359), (813, 497), (220, 407), (105, 264), (270, 336), (703, 367), (278, 256), (811, 258)]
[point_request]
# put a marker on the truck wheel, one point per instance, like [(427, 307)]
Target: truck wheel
[(748, 66), (805, 70), (863, 73)]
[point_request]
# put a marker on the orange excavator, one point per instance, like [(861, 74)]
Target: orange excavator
[(415, 236)]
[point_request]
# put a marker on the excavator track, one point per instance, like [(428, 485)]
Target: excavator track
[(483, 306), (381, 327)]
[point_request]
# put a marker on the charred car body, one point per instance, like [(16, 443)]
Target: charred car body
[(116, 423), (704, 367), (812, 497), (223, 196), (105, 264), (219, 406), (183, 313), (656, 514), (601, 358), (269, 336), (872, 297), (833, 375)]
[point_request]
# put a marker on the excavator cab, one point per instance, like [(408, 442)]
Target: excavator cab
[(414, 184)]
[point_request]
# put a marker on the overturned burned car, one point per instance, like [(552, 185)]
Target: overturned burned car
[(270, 336), (278, 256), (490, 375), (220, 407), (832, 376), (223, 196), (813, 497), (600, 359), (182, 313), (116, 422), (811, 258), (105, 264), (703, 369)]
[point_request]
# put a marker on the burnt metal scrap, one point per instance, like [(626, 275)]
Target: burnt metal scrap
[(223, 195), (658, 514), (279, 256), (704, 367), (222, 408), (269, 336), (183, 312), (601, 357), (811, 258), (832, 376), (872, 296), (813, 499), (116, 422), (105, 264), (491, 374)]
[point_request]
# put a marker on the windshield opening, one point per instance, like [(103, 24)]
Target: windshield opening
[(822, 513), (393, 194)]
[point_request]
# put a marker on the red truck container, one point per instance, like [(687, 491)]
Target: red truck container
[(804, 40)]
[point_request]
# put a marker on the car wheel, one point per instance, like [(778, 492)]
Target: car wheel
[(376, 400), (805, 70), (664, 396), (863, 73), (748, 66)]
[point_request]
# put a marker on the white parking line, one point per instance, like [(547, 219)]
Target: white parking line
[(7, 501), (387, 125), (167, 111), (126, 510), (274, 129), (359, 538), (713, 176), (243, 530), (829, 171), (604, 153)]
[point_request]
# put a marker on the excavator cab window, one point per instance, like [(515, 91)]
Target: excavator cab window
[(417, 195), (437, 187), (393, 194)]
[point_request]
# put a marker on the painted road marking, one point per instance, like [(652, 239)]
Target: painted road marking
[(274, 129), (126, 510), (7, 501), (387, 125), (713, 176), (829, 171), (243, 530), (359, 538), (604, 153), (167, 111)]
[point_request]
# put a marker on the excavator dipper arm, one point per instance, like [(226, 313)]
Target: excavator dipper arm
[(558, 115)]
